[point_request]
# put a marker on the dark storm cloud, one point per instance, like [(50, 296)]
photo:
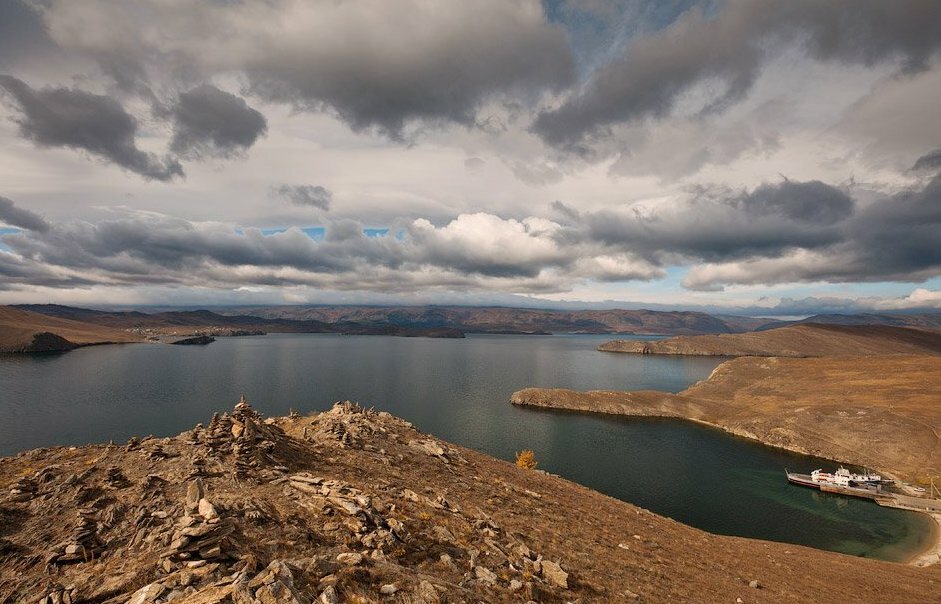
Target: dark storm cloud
[(729, 49), (98, 124), (382, 65), (930, 162), (810, 202), (891, 239), (22, 34), (18, 217), (716, 224), (899, 236), (208, 122), (313, 196)]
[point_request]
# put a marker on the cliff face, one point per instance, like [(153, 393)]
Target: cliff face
[(351, 505), (794, 341)]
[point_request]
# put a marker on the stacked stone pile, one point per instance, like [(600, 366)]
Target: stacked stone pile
[(83, 544)]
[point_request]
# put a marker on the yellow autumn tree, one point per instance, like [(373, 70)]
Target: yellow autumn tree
[(526, 459)]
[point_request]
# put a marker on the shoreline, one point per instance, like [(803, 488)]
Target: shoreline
[(930, 555)]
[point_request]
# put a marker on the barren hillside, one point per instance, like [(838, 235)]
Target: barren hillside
[(351, 505), (806, 340), (24, 331), (883, 412)]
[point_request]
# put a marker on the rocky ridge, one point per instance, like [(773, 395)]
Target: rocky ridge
[(354, 505)]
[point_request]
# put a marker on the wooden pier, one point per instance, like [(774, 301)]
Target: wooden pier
[(876, 493)]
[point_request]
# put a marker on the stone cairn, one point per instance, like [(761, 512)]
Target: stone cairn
[(116, 479), (202, 534), (23, 489), (156, 452), (348, 423), (83, 545), (59, 595)]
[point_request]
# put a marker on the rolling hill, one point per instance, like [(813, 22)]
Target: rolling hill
[(804, 340)]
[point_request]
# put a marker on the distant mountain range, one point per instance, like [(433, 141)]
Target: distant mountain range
[(447, 321), (498, 319), (922, 320)]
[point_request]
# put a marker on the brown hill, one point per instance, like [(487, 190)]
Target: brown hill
[(882, 412), (806, 340), (356, 506), (24, 331), (498, 319)]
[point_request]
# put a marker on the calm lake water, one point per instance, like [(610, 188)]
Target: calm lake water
[(457, 390)]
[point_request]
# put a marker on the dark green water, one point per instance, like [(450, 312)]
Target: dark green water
[(458, 390)]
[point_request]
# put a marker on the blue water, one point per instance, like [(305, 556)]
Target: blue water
[(458, 390)]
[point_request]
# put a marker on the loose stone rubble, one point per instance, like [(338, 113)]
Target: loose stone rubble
[(309, 537)]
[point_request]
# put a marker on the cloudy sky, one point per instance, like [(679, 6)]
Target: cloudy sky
[(780, 157)]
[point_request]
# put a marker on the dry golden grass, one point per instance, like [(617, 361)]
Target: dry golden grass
[(883, 412), (808, 340), (17, 328)]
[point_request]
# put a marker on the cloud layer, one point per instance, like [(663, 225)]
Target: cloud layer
[(97, 124), (726, 51), (777, 233), (523, 147)]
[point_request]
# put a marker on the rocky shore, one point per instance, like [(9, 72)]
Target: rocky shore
[(353, 505)]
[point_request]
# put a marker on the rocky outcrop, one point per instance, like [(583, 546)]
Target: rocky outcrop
[(195, 341), (48, 342)]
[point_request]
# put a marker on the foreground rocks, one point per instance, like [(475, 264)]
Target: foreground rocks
[(354, 505)]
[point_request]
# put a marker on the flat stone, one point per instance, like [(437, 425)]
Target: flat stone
[(277, 593), (485, 574), (350, 558), (554, 574), (199, 530), (194, 492), (388, 589), (426, 594), (207, 510), (329, 596), (147, 593)]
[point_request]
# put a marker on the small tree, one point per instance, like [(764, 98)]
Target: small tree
[(526, 459)]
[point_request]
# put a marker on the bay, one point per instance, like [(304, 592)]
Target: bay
[(458, 390)]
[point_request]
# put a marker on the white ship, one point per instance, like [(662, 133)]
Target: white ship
[(842, 479)]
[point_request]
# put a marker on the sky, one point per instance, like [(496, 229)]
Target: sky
[(748, 156)]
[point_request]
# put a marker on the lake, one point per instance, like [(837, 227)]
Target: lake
[(458, 389)]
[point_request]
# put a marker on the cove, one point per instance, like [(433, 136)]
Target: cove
[(458, 390)]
